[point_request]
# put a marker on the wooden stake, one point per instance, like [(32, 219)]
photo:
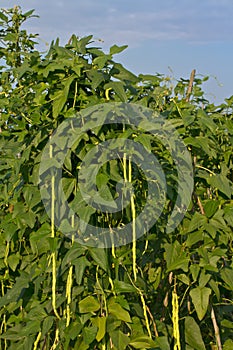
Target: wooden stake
[(216, 329), (190, 87)]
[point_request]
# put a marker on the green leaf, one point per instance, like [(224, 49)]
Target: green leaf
[(162, 343), (73, 253), (211, 207), (123, 287), (176, 257), (197, 222), (101, 61), (3, 17), (31, 328), (194, 237), (118, 87), (204, 279), (28, 13), (193, 335), (68, 186), (228, 215), (118, 312), (89, 304), (194, 269), (13, 260), (228, 345), (214, 287), (47, 324), (89, 334), (80, 266), (100, 322), (227, 276), (61, 97), (200, 298), (16, 292), (123, 74), (201, 142), (117, 49), (142, 342), (222, 183), (155, 276), (119, 339), (99, 255), (96, 78)]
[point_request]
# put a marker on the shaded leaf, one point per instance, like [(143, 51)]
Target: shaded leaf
[(200, 298), (193, 335)]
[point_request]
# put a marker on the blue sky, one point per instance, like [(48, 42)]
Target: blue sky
[(169, 37)]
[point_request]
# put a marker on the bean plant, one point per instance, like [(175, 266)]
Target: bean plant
[(165, 290)]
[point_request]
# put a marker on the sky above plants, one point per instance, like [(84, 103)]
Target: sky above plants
[(169, 37)]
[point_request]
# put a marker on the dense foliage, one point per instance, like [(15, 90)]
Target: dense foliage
[(164, 291)]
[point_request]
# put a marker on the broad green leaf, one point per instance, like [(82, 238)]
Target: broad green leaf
[(47, 324), (28, 13), (123, 287), (31, 328), (204, 279), (197, 222), (123, 74), (176, 257), (211, 207), (193, 335), (101, 61), (118, 88), (200, 298), (227, 276), (118, 312), (184, 278), (96, 78), (194, 237), (3, 17), (100, 257), (74, 329), (201, 142), (117, 49), (73, 253), (13, 260), (68, 185), (162, 343), (16, 292), (195, 269), (228, 215), (228, 345), (119, 339), (100, 322), (142, 342), (214, 287), (80, 265), (227, 324), (89, 304), (61, 97), (222, 183), (89, 334)]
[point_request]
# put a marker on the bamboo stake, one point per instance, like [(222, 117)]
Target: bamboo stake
[(190, 87), (216, 329)]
